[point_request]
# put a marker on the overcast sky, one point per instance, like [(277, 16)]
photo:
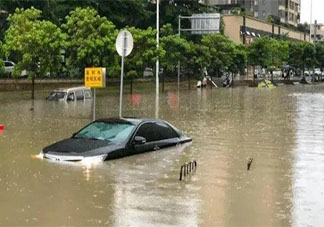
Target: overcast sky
[(318, 8)]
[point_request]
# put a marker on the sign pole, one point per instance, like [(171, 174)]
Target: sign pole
[(157, 61), (124, 47), (94, 77), (94, 104), (121, 87)]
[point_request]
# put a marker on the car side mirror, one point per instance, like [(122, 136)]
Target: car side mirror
[(138, 140)]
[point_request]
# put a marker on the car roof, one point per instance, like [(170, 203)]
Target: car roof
[(71, 89), (127, 120)]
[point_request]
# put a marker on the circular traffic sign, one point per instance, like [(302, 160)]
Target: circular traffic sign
[(124, 43)]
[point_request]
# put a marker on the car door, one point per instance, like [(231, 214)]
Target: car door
[(145, 130), (166, 135), (158, 135)]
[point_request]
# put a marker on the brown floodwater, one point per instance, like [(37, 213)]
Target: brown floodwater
[(281, 129)]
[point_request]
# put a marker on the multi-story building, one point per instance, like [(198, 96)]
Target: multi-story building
[(317, 35), (285, 11)]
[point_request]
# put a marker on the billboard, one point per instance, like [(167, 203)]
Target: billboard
[(206, 23)]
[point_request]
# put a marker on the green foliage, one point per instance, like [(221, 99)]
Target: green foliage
[(279, 51), (166, 30), (1, 61), (259, 52), (308, 55), (269, 19), (91, 40), (239, 59), (144, 53), (176, 49), (219, 53), (196, 59), (295, 54), (36, 42), (319, 53)]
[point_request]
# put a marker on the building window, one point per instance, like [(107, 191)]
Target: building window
[(263, 13)]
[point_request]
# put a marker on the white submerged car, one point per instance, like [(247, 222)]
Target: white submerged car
[(70, 94)]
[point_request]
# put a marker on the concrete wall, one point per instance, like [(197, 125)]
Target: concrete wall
[(233, 24), (232, 27)]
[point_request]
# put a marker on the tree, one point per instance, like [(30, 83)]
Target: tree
[(1, 61), (308, 55), (220, 53), (259, 53), (296, 55), (36, 42), (143, 55), (176, 49), (319, 53), (239, 59), (279, 51), (196, 59), (91, 40)]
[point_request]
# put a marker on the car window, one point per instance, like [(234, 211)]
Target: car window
[(164, 131), (8, 64), (70, 97), (87, 94), (147, 132), (114, 132), (56, 95), (79, 95)]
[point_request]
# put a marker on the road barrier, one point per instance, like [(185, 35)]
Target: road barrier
[(187, 168)]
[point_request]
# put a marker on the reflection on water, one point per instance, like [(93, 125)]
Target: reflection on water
[(281, 129), (309, 168)]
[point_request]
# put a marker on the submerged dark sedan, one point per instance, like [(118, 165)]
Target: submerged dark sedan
[(115, 138)]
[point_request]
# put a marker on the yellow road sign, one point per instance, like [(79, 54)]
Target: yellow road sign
[(95, 77)]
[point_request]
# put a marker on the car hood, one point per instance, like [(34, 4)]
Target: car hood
[(81, 147)]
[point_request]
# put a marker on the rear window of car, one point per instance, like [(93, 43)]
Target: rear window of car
[(54, 95), (156, 131), (8, 64), (79, 95), (87, 94)]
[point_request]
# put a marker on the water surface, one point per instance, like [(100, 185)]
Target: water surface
[(281, 129)]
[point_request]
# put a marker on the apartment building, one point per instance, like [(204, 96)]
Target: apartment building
[(284, 11), (317, 33)]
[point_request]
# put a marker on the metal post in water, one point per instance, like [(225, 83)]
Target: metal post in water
[(249, 163), (181, 172)]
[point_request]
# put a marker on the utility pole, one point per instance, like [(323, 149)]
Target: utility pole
[(311, 19)]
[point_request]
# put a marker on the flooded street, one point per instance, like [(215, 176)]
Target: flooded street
[(281, 129)]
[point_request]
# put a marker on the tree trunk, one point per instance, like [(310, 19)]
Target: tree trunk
[(33, 87), (189, 81), (253, 75), (211, 82), (271, 76), (162, 83), (131, 86)]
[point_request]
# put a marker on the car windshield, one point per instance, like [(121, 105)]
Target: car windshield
[(114, 132), (55, 95)]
